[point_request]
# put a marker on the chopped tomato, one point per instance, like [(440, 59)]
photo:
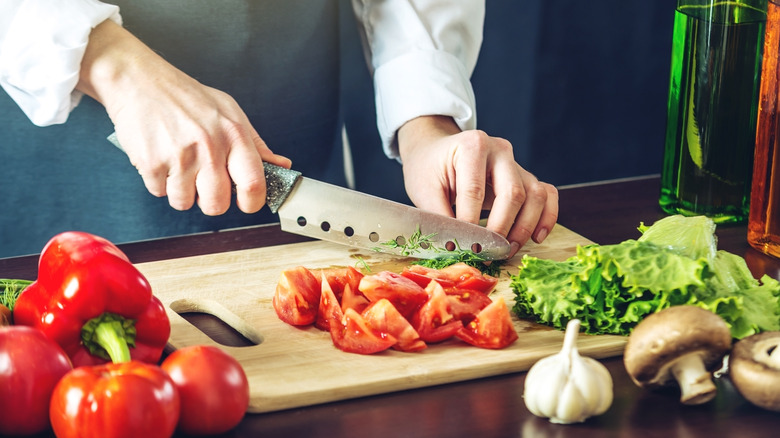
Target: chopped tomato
[(423, 275), (492, 328), (353, 299), (458, 275), (297, 296), (469, 277), (433, 321), (406, 295), (329, 309), (339, 278), (383, 316), (465, 304), (354, 335)]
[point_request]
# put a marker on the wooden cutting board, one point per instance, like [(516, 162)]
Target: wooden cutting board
[(292, 367)]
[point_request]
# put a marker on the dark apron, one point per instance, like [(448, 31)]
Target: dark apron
[(278, 58)]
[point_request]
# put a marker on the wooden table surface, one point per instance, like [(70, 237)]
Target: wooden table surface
[(605, 213)]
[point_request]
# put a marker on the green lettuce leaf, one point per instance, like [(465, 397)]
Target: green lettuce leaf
[(610, 288)]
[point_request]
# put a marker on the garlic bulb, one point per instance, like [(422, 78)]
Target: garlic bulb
[(566, 387)]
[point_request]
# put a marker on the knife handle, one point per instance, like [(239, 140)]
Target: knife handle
[(279, 181)]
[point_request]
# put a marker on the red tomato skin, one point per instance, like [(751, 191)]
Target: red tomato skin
[(423, 275), (329, 310), (466, 304), (339, 278), (383, 316), (31, 364), (469, 277), (122, 400), (406, 295), (297, 296), (213, 388), (433, 321), (458, 275), (354, 335), (492, 328)]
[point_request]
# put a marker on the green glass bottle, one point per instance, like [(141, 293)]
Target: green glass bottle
[(712, 108)]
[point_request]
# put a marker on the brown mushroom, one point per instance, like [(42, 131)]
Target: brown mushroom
[(680, 343), (754, 368)]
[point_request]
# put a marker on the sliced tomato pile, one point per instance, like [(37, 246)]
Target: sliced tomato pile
[(404, 311)]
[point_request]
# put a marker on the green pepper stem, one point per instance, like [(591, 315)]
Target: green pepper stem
[(109, 336)]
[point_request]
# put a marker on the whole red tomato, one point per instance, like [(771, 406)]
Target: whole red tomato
[(30, 366), (213, 387), (128, 399)]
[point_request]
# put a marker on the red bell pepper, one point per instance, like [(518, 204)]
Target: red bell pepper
[(94, 303)]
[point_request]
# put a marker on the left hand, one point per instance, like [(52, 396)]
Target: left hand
[(473, 171)]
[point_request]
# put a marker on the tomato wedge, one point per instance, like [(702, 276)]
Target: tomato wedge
[(339, 278), (383, 316), (433, 321), (406, 295), (329, 309), (492, 328), (353, 299), (465, 304), (458, 275), (297, 296), (423, 275), (354, 335)]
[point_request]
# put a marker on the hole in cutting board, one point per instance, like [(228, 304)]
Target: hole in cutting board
[(217, 322)]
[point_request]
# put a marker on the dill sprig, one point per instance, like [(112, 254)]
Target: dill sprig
[(10, 290), (416, 242), (463, 256)]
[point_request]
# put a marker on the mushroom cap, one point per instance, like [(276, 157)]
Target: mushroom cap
[(664, 337), (754, 373)]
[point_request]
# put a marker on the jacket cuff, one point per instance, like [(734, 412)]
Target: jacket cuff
[(421, 83)]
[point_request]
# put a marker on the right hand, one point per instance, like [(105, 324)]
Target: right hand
[(188, 141)]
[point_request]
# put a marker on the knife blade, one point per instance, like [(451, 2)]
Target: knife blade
[(337, 214)]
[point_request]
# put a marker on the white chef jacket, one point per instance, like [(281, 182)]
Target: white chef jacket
[(422, 54)]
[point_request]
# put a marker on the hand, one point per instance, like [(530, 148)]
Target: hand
[(444, 167), (188, 141)]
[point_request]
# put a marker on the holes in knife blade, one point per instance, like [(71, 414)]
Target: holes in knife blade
[(450, 246), (374, 237), (349, 231), (325, 226), (476, 248), (401, 241), (301, 221)]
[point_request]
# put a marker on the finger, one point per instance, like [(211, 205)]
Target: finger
[(214, 190), (549, 215), (429, 194), (266, 154), (154, 183), (470, 183), (246, 170), (180, 188), (509, 194), (531, 210)]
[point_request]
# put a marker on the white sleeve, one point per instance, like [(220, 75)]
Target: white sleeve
[(42, 43), (422, 54)]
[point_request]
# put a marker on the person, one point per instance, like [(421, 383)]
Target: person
[(151, 66)]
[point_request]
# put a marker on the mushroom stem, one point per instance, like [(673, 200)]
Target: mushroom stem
[(696, 386)]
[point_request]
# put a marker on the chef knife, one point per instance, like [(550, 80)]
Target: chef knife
[(328, 212)]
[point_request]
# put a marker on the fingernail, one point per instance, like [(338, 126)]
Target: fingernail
[(513, 248), (541, 235)]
